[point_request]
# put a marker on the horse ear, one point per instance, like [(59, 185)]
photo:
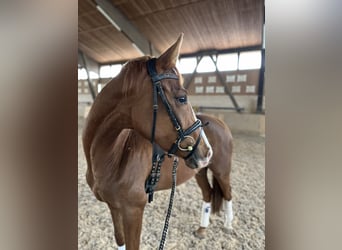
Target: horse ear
[(169, 58)]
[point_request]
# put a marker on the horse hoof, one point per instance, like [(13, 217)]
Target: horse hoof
[(201, 232)]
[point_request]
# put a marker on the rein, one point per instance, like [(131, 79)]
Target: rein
[(169, 210)]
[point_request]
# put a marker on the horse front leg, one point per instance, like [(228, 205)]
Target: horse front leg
[(203, 183), (132, 219), (127, 222), (118, 227)]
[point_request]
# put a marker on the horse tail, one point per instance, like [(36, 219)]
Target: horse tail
[(217, 197)]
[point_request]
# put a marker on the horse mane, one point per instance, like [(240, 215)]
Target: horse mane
[(132, 73)]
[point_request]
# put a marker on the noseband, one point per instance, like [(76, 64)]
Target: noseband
[(158, 90)]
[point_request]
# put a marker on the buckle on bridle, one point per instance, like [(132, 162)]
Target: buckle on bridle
[(188, 148)]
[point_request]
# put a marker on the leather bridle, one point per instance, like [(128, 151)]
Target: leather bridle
[(158, 153), (182, 134)]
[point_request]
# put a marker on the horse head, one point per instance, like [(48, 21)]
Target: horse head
[(175, 127)]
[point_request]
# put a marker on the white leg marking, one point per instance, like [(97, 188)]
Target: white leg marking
[(228, 214), (123, 247), (206, 208)]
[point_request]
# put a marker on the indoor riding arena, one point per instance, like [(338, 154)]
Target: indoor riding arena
[(221, 60)]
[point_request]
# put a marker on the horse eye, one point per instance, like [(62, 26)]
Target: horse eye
[(182, 99)]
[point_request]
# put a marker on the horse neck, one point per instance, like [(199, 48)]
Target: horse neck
[(108, 116)]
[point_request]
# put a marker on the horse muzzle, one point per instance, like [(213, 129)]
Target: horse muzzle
[(196, 160)]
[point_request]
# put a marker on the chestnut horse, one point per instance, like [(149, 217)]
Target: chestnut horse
[(125, 181), (127, 102)]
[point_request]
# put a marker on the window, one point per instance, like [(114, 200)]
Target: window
[(242, 78), (219, 89), (211, 79), (236, 89), (187, 65), (206, 65), (199, 89), (109, 71), (115, 69), (226, 62), (105, 71), (93, 75), (250, 60), (198, 79), (99, 87), (82, 74), (210, 89), (250, 89), (230, 78)]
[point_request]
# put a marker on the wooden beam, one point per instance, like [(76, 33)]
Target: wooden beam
[(223, 51), (120, 22)]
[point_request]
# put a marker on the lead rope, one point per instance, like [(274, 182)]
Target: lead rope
[(169, 210)]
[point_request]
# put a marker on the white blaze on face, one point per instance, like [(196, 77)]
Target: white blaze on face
[(204, 137)]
